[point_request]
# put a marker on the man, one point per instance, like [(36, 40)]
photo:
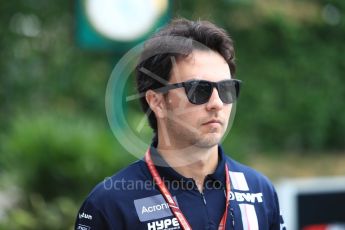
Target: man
[(185, 181)]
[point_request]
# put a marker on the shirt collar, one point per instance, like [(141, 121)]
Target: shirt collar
[(168, 173)]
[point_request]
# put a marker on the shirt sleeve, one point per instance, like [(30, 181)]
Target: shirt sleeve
[(90, 218), (278, 222)]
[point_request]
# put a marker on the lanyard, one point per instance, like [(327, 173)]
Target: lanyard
[(171, 202)]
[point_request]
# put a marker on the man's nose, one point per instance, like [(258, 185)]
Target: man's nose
[(215, 103)]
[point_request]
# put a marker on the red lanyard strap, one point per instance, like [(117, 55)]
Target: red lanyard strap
[(171, 202)]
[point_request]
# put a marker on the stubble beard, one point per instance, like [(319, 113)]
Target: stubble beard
[(185, 137)]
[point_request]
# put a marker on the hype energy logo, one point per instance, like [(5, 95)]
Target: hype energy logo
[(152, 208), (166, 224)]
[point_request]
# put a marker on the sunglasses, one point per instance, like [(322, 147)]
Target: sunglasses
[(199, 91)]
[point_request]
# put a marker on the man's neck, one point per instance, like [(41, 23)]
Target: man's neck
[(191, 162)]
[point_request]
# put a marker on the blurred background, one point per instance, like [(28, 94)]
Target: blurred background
[(56, 58)]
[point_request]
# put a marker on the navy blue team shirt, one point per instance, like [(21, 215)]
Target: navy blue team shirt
[(131, 200)]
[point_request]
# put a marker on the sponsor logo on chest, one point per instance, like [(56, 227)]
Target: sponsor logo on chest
[(166, 224), (152, 208), (246, 197)]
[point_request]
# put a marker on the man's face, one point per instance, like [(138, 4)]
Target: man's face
[(188, 124)]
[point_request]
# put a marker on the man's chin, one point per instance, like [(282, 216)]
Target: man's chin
[(209, 141)]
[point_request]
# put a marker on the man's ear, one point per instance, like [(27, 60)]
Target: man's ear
[(156, 103)]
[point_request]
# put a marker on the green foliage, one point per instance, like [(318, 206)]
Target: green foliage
[(58, 214), (55, 160), (59, 155), (293, 82)]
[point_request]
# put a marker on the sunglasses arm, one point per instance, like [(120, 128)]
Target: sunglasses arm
[(166, 88)]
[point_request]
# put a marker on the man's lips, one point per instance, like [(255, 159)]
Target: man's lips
[(213, 121)]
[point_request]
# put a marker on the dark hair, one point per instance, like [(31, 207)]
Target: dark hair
[(178, 39)]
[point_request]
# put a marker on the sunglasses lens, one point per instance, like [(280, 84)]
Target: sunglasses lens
[(198, 92), (227, 91)]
